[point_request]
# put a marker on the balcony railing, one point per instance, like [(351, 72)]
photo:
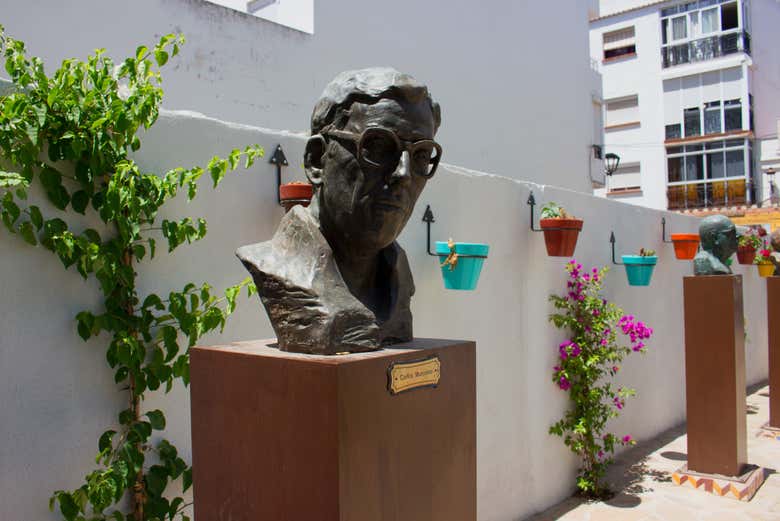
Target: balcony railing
[(709, 194), (706, 48)]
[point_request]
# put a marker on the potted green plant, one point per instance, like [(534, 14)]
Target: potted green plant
[(747, 246), (560, 230), (763, 259), (461, 263), (639, 268), (294, 193)]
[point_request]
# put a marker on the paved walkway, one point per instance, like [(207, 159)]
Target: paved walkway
[(643, 476)]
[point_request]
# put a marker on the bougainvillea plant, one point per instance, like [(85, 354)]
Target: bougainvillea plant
[(73, 134), (600, 336)]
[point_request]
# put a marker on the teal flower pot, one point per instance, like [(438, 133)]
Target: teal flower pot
[(466, 272), (639, 269)]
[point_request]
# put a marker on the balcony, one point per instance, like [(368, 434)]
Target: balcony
[(733, 192), (705, 48)]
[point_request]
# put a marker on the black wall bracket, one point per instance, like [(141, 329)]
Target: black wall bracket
[(428, 219)]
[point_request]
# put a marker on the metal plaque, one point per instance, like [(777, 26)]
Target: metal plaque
[(405, 376)]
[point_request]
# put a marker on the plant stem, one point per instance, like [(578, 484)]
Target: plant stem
[(139, 492)]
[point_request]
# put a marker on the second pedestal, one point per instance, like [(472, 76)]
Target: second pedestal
[(715, 374)]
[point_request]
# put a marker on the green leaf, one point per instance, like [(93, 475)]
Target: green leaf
[(187, 479), (28, 234), (8, 179), (161, 57), (105, 440), (157, 419), (35, 217), (139, 251), (80, 201)]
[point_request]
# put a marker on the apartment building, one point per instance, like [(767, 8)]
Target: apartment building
[(691, 100)]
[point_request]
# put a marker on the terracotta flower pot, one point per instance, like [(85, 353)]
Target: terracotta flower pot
[(766, 269), (685, 245), (291, 194), (561, 243), (746, 254)]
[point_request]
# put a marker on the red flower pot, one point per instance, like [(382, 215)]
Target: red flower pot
[(561, 243), (746, 254), (291, 194), (685, 245)]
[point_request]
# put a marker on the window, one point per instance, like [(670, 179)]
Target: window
[(673, 131), (703, 30), (692, 120), (713, 174), (622, 111), (712, 123), (619, 43), (626, 177), (728, 17), (709, 20), (732, 114), (679, 28)]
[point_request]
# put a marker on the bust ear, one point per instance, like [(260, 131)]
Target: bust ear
[(312, 159)]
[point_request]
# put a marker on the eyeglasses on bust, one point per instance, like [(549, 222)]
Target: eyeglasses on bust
[(379, 150)]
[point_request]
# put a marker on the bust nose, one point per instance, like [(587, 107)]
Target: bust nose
[(402, 172)]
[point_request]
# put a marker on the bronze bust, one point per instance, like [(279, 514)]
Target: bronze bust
[(718, 242), (333, 279)]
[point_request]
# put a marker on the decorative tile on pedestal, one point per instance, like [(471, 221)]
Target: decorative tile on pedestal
[(741, 487), (773, 433)]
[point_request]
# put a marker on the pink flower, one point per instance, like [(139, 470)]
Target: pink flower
[(575, 350), (556, 368), (618, 402), (601, 454), (627, 438), (615, 369), (564, 384)]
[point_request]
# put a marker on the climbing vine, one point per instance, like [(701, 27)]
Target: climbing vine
[(73, 134)]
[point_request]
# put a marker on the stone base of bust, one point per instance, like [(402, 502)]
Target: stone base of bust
[(278, 435), (715, 374)]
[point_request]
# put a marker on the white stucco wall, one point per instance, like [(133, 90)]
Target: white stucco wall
[(58, 393), (511, 79)]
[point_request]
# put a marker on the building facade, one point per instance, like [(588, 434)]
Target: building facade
[(690, 100)]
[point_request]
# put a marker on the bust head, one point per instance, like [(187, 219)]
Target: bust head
[(370, 155), (718, 242), (718, 236)]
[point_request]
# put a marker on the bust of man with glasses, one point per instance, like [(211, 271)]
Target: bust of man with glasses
[(332, 278)]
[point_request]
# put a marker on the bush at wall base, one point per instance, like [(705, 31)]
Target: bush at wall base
[(586, 363), (639, 269), (685, 245), (461, 272)]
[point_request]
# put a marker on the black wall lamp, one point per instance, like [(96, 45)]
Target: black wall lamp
[(611, 163)]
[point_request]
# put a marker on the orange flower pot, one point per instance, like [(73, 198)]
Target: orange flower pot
[(291, 194), (561, 243), (685, 245), (766, 270)]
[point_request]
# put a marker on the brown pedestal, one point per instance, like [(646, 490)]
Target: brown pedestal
[(773, 320), (289, 437), (715, 375)]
